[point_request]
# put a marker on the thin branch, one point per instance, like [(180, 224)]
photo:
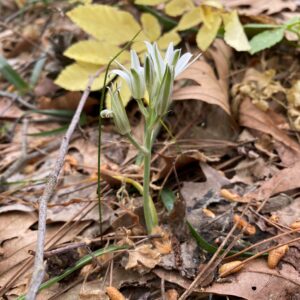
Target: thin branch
[(15, 96), (38, 269)]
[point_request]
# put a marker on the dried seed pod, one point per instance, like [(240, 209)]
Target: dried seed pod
[(295, 225), (274, 218), (171, 294), (276, 255), (228, 195), (114, 294), (208, 213), (230, 268), (243, 224)]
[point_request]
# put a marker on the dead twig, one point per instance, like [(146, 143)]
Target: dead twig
[(18, 98), (38, 271), (20, 162)]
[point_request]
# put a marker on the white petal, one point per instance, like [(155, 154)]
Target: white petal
[(182, 63), (135, 62), (169, 54)]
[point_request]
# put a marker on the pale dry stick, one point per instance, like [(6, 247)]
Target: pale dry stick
[(278, 226), (17, 165), (212, 260), (20, 162), (18, 98), (38, 272), (259, 254)]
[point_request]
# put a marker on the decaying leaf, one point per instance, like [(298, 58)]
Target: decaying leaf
[(257, 281), (143, 258), (258, 7), (208, 89)]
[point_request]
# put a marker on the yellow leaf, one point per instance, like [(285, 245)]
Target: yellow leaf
[(151, 27), (81, 1), (213, 3), (167, 38), (190, 19), (177, 7), (75, 77), (234, 32), (95, 52), (124, 92), (209, 30), (106, 23), (149, 2)]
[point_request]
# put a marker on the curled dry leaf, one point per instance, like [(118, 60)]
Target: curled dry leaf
[(276, 255), (282, 181), (243, 224), (114, 294), (252, 117), (143, 258), (230, 268)]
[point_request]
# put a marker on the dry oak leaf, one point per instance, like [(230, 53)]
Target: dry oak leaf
[(252, 117), (257, 281), (143, 258), (285, 180), (207, 86), (258, 7)]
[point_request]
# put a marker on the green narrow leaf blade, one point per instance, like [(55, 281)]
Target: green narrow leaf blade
[(266, 39), (12, 76), (168, 198)]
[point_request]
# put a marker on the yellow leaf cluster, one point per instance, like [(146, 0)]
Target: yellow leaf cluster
[(211, 15), (110, 28)]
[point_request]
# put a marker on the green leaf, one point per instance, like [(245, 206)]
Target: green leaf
[(234, 32), (59, 113), (266, 39), (261, 26), (201, 242), (168, 198), (12, 76)]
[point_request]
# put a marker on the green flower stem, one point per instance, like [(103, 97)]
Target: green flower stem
[(149, 208), (135, 143)]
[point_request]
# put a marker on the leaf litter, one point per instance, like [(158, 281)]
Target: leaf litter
[(234, 146)]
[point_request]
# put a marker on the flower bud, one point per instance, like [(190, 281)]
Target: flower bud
[(119, 113), (162, 100)]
